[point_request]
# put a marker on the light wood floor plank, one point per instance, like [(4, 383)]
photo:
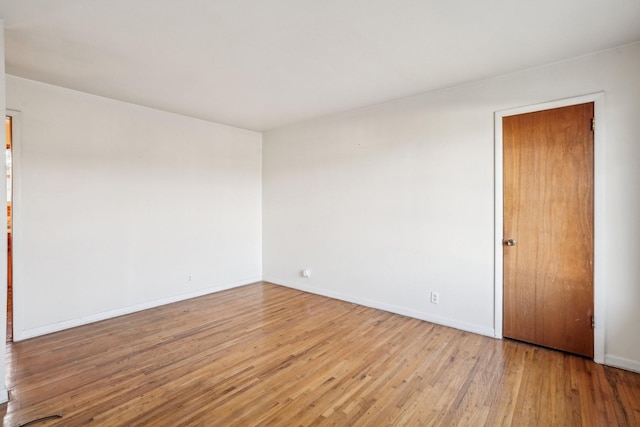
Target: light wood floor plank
[(272, 356)]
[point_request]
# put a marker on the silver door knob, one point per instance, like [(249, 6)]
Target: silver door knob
[(510, 242)]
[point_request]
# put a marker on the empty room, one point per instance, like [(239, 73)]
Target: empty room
[(342, 212)]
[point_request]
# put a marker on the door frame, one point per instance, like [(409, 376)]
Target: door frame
[(598, 213), (16, 226)]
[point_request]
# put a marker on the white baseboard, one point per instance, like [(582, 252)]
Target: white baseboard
[(35, 332), (404, 311), (622, 363)]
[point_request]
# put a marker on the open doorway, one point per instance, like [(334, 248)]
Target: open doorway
[(9, 182)]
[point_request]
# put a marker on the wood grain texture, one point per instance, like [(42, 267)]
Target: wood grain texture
[(268, 355), (548, 210)]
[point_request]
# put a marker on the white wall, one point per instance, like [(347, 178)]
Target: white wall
[(388, 203), (117, 204), (3, 242)]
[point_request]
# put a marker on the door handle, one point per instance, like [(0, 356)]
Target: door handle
[(510, 242)]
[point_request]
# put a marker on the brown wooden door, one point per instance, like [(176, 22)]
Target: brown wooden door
[(548, 212)]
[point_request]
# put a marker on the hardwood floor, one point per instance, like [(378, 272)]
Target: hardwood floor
[(268, 355)]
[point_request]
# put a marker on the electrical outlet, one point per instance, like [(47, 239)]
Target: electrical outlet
[(306, 273), (189, 278), (435, 298)]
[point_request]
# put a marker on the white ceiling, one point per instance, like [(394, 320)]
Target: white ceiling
[(262, 64)]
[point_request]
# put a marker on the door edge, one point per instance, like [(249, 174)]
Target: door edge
[(16, 226)]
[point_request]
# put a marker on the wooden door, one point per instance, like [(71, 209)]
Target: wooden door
[(548, 228)]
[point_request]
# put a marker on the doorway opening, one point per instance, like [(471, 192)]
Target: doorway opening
[(9, 183)]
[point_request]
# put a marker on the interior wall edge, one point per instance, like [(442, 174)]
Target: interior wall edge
[(391, 308), (622, 363), (4, 397), (80, 321)]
